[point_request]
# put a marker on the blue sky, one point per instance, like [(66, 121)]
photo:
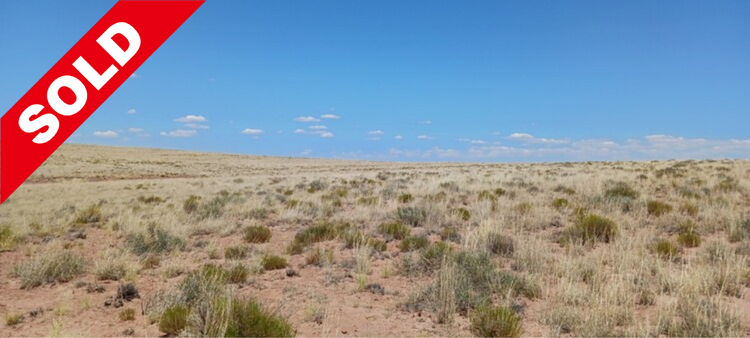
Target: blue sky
[(504, 81)]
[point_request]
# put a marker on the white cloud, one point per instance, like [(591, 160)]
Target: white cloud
[(134, 76), (136, 130), (191, 119), (425, 122), (249, 131), (472, 141), (330, 116), (300, 131), (132, 112), (107, 134), (399, 137), (528, 138), (376, 132), (318, 127), (424, 137), (327, 135), (179, 133), (306, 119), (306, 152), (196, 126)]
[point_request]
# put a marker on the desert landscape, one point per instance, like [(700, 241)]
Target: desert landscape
[(112, 241)]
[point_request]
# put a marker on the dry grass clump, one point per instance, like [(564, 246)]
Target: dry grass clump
[(495, 321), (13, 319), (256, 234), (90, 215), (155, 240), (127, 315), (314, 234), (320, 257), (51, 267), (248, 319), (414, 216), (395, 230), (413, 243), (621, 190), (8, 239), (666, 249), (657, 208), (273, 262), (236, 252)]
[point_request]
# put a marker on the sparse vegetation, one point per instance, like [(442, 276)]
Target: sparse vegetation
[(657, 248), (492, 321), (53, 267)]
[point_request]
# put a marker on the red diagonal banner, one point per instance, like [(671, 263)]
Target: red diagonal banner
[(81, 81)]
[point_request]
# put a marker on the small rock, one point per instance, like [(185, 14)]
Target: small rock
[(36, 312), (128, 332), (108, 302), (375, 288), (292, 273)]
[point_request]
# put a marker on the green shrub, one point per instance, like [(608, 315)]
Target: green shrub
[(658, 208), (249, 319), (127, 314), (413, 216), (191, 204), (621, 190), (500, 244), (666, 249), (236, 252), (174, 320), (500, 192), (413, 243), (314, 234), (273, 262), (492, 321), (155, 240), (257, 234), (560, 203), (396, 230), (463, 213), (92, 214), (595, 228), (58, 267)]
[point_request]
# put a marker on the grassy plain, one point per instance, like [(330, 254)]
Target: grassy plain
[(105, 241)]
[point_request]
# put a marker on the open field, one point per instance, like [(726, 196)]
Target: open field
[(348, 248)]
